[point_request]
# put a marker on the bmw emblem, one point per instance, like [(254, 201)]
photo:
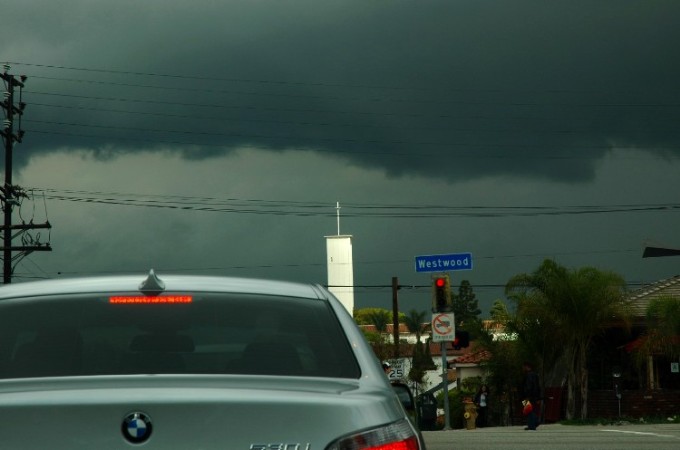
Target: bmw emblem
[(137, 427)]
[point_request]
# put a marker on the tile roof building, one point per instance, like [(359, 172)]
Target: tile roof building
[(642, 297)]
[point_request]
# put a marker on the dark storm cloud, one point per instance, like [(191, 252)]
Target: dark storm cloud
[(452, 89)]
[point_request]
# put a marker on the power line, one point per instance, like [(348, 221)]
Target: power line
[(443, 143), (222, 106), (302, 123), (418, 88), (298, 138), (445, 130), (354, 210), (373, 287), (222, 79), (345, 98), (238, 118), (374, 152), (308, 123), (327, 111)]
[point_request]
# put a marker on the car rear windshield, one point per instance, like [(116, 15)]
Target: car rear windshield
[(183, 334)]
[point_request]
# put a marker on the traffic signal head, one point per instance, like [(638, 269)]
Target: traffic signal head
[(441, 294)]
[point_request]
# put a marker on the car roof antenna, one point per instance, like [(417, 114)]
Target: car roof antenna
[(152, 285)]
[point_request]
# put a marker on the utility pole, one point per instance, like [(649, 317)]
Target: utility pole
[(10, 194)]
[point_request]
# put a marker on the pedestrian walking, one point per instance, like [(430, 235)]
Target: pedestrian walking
[(531, 396)]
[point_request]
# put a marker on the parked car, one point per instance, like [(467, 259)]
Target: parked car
[(189, 362), (405, 397)]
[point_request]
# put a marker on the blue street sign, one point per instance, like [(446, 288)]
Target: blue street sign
[(444, 263)]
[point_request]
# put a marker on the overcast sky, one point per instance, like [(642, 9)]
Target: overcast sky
[(217, 136)]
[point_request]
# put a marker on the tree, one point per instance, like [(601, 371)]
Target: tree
[(414, 321), (499, 312), (663, 317), (570, 306), (374, 316), (662, 337), (379, 318), (503, 376), (465, 305), (421, 359)]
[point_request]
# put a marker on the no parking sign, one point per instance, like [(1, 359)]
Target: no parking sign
[(443, 327)]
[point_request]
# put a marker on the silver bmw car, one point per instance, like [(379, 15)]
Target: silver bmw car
[(189, 362)]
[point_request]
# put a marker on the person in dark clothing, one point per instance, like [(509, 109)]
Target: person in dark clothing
[(482, 403), (531, 396)]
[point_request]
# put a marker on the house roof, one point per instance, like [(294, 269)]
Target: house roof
[(436, 349), (474, 358), (403, 329), (641, 298), (493, 326)]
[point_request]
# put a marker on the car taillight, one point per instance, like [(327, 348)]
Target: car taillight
[(396, 436)]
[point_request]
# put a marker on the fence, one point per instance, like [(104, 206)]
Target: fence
[(634, 404)]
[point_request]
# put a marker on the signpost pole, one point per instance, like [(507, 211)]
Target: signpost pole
[(443, 321), (395, 316), (445, 385)]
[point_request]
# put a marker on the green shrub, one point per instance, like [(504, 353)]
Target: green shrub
[(456, 406)]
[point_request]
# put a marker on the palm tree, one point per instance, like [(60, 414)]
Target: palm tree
[(569, 307), (379, 318), (414, 322)]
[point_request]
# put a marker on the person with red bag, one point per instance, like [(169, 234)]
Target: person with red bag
[(531, 395)]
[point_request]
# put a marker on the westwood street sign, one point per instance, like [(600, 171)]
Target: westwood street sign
[(444, 263)]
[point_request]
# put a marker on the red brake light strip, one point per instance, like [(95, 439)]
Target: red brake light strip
[(148, 300)]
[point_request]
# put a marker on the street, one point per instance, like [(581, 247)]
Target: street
[(554, 436)]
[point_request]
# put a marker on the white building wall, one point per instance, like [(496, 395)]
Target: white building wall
[(341, 269)]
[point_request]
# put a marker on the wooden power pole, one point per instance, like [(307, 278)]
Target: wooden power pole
[(10, 195)]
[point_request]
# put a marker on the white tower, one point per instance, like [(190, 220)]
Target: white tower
[(340, 267)]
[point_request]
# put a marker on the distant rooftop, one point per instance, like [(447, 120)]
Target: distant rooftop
[(643, 296)]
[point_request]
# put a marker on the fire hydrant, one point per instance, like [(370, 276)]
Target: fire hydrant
[(470, 414)]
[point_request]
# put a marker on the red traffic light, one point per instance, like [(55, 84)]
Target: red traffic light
[(441, 293)]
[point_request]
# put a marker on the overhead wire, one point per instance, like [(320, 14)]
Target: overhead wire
[(417, 88), (373, 152), (371, 98), (353, 210), (442, 138), (344, 98)]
